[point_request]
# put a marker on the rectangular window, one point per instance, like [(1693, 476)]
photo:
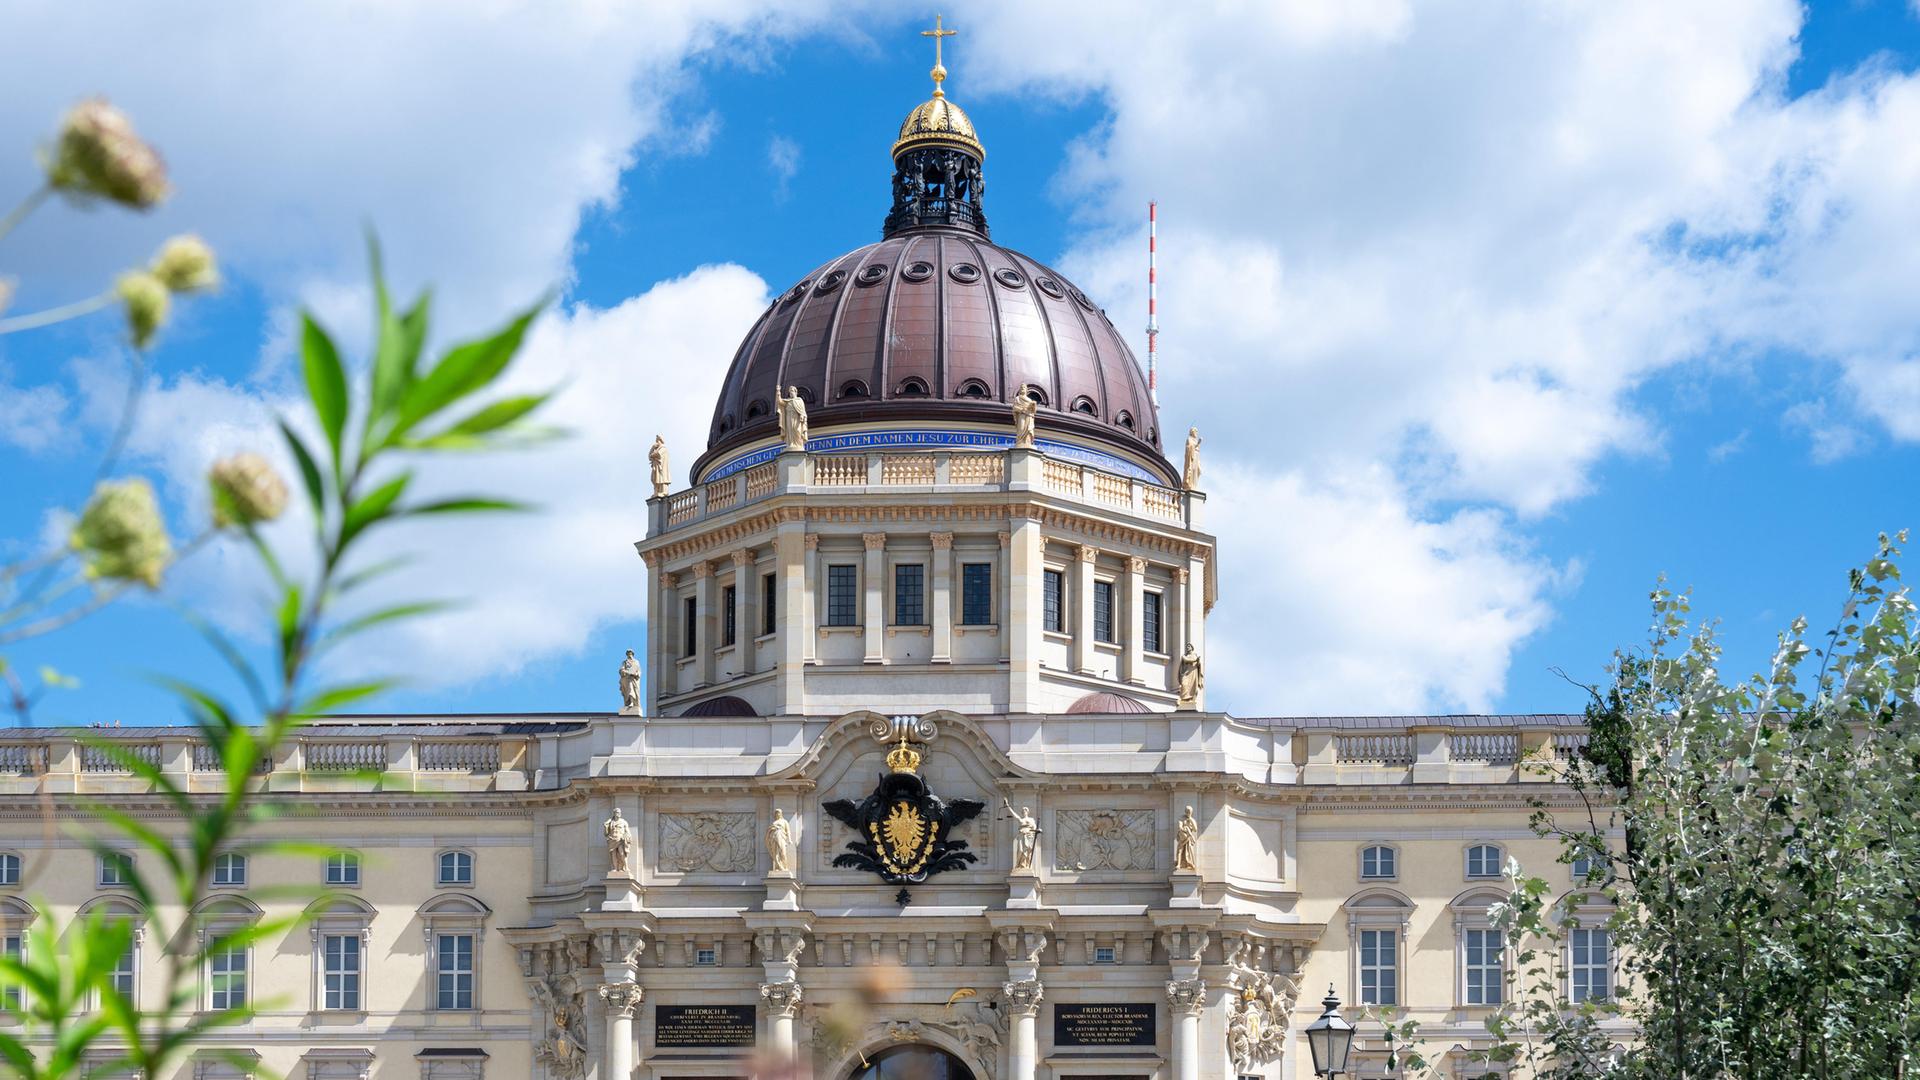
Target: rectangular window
[(705, 957), (842, 596), (230, 869), (227, 978), (1483, 861), (456, 971), (729, 624), (1103, 954), (1153, 627), (9, 868), (976, 594), (1592, 965), (909, 595), (1055, 585), (1379, 964), (340, 971), (456, 868), (123, 978), (343, 868), (689, 630), (1377, 862), (1103, 611), (15, 948), (1484, 971), (767, 609), (116, 869)]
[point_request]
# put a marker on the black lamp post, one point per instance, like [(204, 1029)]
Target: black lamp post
[(1330, 1038)]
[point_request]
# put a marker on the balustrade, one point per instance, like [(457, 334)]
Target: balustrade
[(332, 756), (459, 755), (761, 480), (1375, 749), (840, 470), (905, 469), (722, 494), (1486, 748), (977, 469), (23, 759), (100, 759), (1061, 476)]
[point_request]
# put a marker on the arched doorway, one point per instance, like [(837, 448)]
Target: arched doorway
[(914, 1061)]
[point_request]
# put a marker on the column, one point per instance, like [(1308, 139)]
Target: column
[(662, 623), (705, 630), (805, 606), (1023, 624), (874, 613), (621, 998), (1083, 609), (1187, 998), (1176, 601), (1023, 1005), (942, 569), (1133, 588), (793, 621), (783, 1002), (746, 586), (1003, 603)]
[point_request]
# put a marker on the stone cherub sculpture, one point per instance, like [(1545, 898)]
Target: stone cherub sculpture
[(793, 417), (619, 845), (1026, 843), (780, 844), (1193, 678), (1190, 476), (630, 682), (1024, 408), (662, 472), (1186, 843)]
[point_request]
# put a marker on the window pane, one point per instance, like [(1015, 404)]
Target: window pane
[(343, 869), (1379, 984), (14, 946), (1151, 629), (842, 604), (1103, 611), (1054, 584), (228, 979), (976, 587), (729, 628), (689, 618), (909, 594), (767, 595), (456, 971), (9, 869), (342, 971)]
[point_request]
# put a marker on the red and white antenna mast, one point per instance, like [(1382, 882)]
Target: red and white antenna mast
[(1153, 303)]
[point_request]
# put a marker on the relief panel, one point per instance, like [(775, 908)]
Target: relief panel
[(1104, 840), (717, 842)]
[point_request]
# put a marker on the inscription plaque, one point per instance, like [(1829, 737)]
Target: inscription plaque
[(703, 1025), (1125, 1024)]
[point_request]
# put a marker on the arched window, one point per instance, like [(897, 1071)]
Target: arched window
[(974, 388), (228, 964), (456, 868), (125, 977), (913, 1062), (1084, 406), (1479, 950), (756, 409), (454, 925), (115, 869), (342, 870), (229, 870), (16, 916), (1124, 419), (1379, 862), (1037, 394), (9, 869), (912, 386), (340, 928), (1483, 861), (1376, 928), (854, 388)]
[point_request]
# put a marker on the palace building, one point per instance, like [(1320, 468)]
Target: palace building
[(922, 782)]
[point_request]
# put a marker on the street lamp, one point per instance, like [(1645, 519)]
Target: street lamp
[(1330, 1038)]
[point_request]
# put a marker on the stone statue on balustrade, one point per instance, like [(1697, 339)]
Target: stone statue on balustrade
[(1190, 475), (630, 682), (662, 472), (1192, 678), (1186, 845), (793, 417), (1026, 842), (780, 844), (619, 845), (1025, 407)]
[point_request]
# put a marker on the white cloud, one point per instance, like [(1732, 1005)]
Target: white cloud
[(783, 157), (32, 418)]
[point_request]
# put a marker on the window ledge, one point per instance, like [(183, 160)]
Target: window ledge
[(989, 629), (1113, 647), (1060, 636), (764, 638), (826, 631), (684, 661), (1151, 655), (916, 629)]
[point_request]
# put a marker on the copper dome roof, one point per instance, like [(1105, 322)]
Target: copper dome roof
[(937, 324)]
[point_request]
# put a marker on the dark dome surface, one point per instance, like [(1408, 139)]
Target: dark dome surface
[(937, 324)]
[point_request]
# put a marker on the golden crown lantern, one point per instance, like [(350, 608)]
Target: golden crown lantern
[(903, 758), (937, 121)]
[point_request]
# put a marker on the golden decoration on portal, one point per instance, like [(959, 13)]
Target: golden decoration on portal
[(903, 758), (901, 828), (905, 828)]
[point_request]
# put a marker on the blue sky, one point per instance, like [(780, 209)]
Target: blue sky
[(1489, 319)]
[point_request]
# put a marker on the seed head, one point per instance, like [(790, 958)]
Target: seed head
[(120, 535), (99, 155), (146, 299), (185, 263), (246, 490)]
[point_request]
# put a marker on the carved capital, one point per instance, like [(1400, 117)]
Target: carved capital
[(1180, 574), (1184, 944), (782, 998), (621, 998), (874, 541), (1005, 538), (1188, 996), (813, 541), (1136, 565), (942, 541), (668, 579), (743, 558), (1088, 553), (702, 570), (1023, 997)]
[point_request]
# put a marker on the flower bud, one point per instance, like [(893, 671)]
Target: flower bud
[(246, 490), (99, 154), (120, 535), (185, 263), (146, 299)]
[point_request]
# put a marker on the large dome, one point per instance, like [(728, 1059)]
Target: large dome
[(938, 325)]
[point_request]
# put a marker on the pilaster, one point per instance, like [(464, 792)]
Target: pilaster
[(745, 585), (943, 597), (1026, 555), (1083, 608), (874, 610), (1134, 589)]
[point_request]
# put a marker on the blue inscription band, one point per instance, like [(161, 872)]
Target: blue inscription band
[(977, 440)]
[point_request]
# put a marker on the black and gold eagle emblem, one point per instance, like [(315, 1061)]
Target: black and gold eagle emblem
[(902, 827)]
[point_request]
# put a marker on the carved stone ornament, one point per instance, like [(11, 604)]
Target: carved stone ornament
[(1257, 1027), (662, 473), (715, 842), (630, 682), (1186, 845), (793, 417), (1187, 996), (888, 730), (782, 998), (619, 844), (1023, 996), (562, 1044), (780, 843), (621, 998), (900, 830), (1104, 840), (1026, 837)]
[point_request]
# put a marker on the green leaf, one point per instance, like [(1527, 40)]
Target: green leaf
[(330, 698), (309, 471), (367, 510), (465, 369), (384, 615), (495, 416), (326, 382), (466, 505)]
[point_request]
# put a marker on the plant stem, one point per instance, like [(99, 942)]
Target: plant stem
[(27, 206), (58, 314)]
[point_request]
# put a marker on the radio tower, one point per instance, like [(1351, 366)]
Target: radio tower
[(1153, 296)]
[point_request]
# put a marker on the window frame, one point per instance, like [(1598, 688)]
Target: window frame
[(454, 914), (441, 971), (1103, 611), (12, 865), (353, 861), (842, 597), (1377, 909), (1112, 954), (339, 916), (440, 878), (1392, 966), (102, 860), (1393, 861), (769, 603), (689, 626), (121, 907), (1605, 968), (213, 920), (1499, 860), (916, 591), (223, 866), (706, 956), (729, 615), (16, 919), (1053, 600), (967, 594), (1153, 622)]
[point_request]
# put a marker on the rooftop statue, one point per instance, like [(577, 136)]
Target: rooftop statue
[(662, 473)]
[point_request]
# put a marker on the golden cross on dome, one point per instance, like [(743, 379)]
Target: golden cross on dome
[(939, 70)]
